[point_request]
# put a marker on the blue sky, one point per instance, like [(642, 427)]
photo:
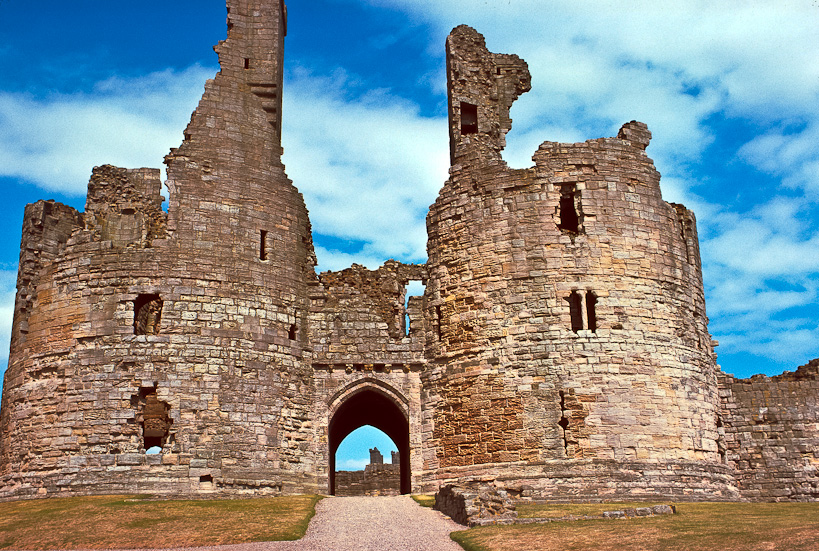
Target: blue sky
[(729, 89)]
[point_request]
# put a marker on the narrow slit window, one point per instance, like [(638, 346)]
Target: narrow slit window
[(292, 333), (564, 422), (247, 63), (469, 118), (684, 237), (569, 220), (263, 245), (575, 310), (438, 325), (591, 313)]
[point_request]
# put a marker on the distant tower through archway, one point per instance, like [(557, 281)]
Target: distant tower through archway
[(371, 406)]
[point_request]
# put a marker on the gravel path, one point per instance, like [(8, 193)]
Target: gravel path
[(366, 524)]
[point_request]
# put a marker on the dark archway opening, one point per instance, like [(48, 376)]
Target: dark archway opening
[(371, 407)]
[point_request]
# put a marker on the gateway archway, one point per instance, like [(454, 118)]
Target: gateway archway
[(370, 406)]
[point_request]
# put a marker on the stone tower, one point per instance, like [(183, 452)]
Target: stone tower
[(560, 349), (570, 344), (183, 332)]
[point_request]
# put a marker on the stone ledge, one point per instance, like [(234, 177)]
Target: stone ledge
[(605, 515)]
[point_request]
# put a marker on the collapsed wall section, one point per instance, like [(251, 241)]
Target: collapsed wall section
[(566, 310), (771, 427)]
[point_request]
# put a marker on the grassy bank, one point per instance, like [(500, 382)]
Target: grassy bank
[(105, 522), (695, 527)]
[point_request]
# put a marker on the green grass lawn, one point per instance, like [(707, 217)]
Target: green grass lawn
[(424, 500), (695, 527), (102, 522)]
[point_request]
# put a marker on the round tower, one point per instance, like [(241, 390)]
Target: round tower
[(570, 352), (163, 353)]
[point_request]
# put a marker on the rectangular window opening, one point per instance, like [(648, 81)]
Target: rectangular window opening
[(569, 220), (575, 310), (414, 288), (262, 244), (247, 63), (591, 314), (147, 314), (469, 118)]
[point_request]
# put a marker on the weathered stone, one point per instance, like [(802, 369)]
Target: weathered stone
[(560, 348)]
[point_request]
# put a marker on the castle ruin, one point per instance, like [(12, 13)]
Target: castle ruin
[(560, 349)]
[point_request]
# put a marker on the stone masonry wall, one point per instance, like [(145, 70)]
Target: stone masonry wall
[(565, 301), (560, 349), (771, 427), (186, 331)]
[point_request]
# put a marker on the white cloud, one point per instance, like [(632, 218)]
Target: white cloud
[(352, 464), (369, 167), (762, 278), (54, 142), (792, 155), (369, 164), (8, 291)]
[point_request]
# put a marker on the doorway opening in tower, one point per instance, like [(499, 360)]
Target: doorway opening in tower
[(369, 446)]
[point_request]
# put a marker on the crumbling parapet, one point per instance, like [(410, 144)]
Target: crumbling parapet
[(47, 226), (124, 206), (363, 316), (482, 87)]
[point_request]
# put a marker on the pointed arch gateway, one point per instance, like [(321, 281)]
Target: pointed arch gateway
[(371, 403)]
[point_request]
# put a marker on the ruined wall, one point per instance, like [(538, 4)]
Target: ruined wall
[(560, 349), (771, 427), (361, 343), (186, 330), (566, 305)]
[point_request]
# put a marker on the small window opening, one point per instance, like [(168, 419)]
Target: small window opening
[(206, 482), (469, 118), (262, 244), (414, 288), (438, 325), (153, 450), (591, 314), (247, 63), (575, 310), (147, 314), (564, 422), (291, 334), (569, 220), (499, 71)]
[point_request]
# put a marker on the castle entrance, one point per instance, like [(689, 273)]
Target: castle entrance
[(370, 406)]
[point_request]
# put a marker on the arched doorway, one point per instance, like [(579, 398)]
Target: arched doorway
[(370, 406)]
